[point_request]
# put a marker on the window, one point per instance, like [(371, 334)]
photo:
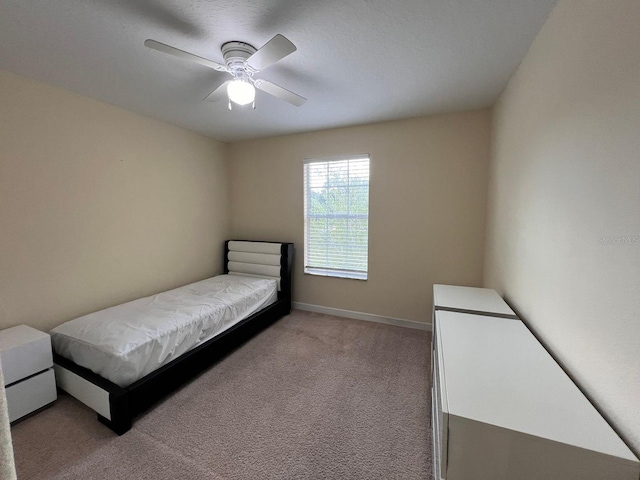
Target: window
[(336, 216)]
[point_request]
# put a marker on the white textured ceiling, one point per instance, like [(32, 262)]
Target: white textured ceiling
[(358, 61)]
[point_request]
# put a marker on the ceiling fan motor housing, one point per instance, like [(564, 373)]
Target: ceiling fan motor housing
[(235, 55)]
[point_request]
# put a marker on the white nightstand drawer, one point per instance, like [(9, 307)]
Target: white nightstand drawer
[(24, 351), (31, 394)]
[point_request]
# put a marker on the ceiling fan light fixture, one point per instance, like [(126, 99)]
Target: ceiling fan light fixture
[(241, 92)]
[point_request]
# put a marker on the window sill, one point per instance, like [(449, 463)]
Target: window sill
[(336, 274)]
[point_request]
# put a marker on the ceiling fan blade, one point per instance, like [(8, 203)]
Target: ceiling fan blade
[(279, 92), (218, 94), (275, 49), (161, 47)]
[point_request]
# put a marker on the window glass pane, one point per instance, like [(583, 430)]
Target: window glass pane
[(318, 201), (359, 199)]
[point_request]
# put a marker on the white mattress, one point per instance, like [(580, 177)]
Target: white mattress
[(126, 342)]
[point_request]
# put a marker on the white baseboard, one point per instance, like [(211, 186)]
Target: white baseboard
[(368, 317)]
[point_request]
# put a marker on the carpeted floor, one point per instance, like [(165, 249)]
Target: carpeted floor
[(313, 396)]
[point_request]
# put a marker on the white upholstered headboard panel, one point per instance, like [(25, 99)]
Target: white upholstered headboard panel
[(255, 259)]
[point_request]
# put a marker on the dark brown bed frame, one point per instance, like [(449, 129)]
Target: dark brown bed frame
[(125, 403)]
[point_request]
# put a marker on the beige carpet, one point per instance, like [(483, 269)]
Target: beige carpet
[(313, 396)]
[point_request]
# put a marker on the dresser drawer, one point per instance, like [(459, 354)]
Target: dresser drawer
[(24, 351), (437, 435), (440, 418), (31, 394)]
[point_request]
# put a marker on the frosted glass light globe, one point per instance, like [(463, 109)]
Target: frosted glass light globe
[(241, 92)]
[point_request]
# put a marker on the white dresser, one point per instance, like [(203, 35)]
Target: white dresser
[(485, 301), (503, 409), (478, 301), (27, 365)]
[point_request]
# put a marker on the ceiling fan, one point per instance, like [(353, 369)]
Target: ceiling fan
[(242, 61)]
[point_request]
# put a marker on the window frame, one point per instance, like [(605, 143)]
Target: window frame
[(323, 271)]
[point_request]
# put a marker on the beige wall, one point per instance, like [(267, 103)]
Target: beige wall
[(427, 207), (99, 205), (565, 179)]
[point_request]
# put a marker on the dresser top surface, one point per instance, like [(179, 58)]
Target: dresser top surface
[(496, 372), (19, 335), (483, 300)]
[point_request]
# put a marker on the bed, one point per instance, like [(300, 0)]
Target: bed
[(122, 360)]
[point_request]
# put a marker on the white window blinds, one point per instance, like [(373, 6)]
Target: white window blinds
[(336, 216)]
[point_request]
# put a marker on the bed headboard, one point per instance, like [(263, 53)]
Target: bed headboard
[(261, 259)]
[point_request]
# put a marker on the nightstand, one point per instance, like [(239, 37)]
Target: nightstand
[(27, 364)]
